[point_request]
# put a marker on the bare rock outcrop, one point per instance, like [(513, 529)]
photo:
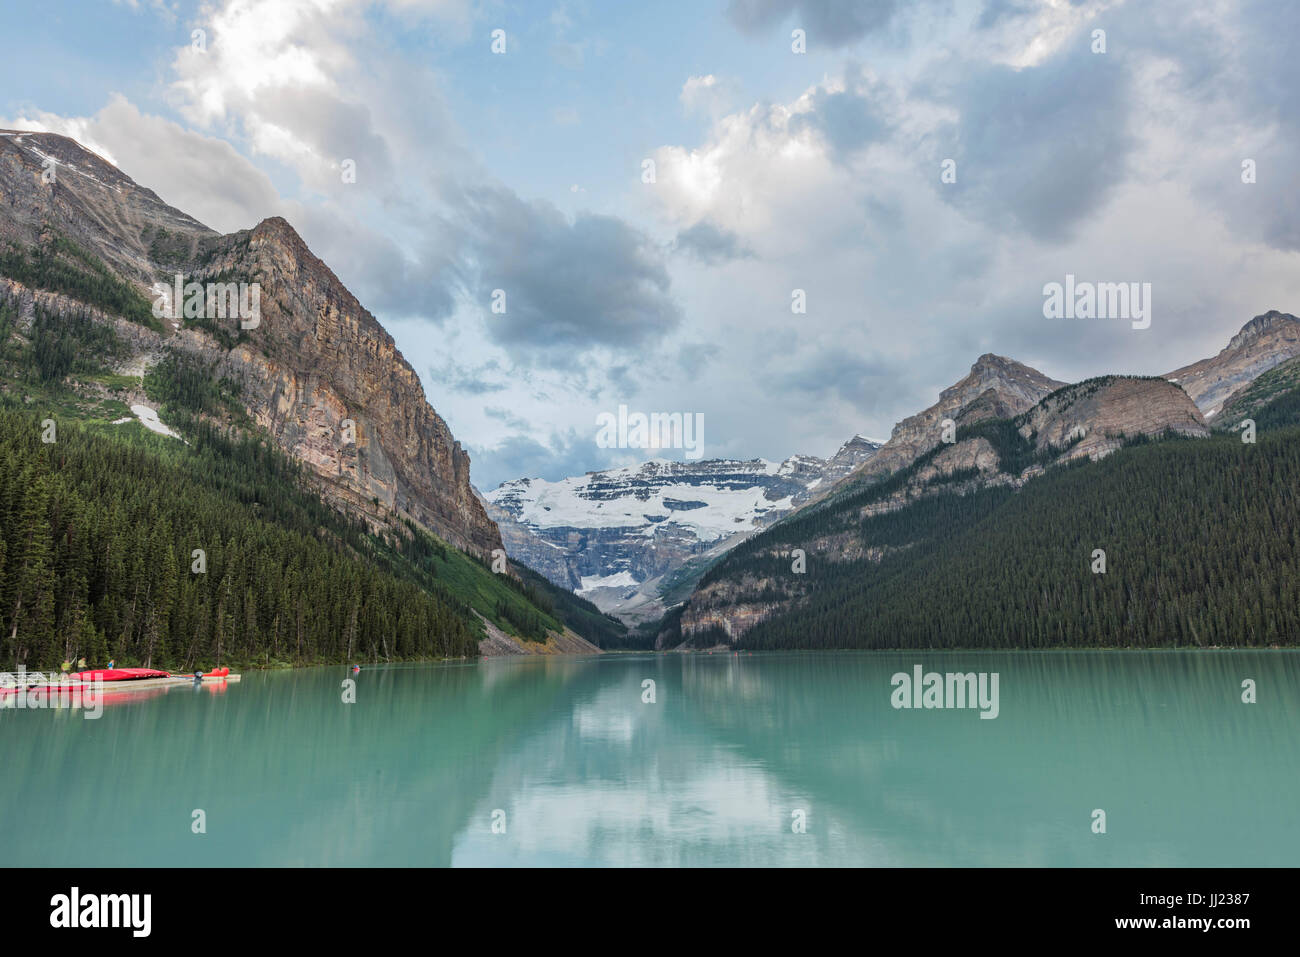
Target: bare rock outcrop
[(977, 454), (318, 358), (1266, 341), (996, 387), (1095, 417)]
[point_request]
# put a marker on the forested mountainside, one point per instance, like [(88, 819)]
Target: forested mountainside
[(1105, 515), (133, 441), (100, 521)]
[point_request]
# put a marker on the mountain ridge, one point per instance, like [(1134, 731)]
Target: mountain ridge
[(616, 535), (1265, 341), (994, 384), (316, 359), (981, 435), (303, 432)]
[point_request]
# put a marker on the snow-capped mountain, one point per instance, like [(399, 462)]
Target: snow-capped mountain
[(618, 536)]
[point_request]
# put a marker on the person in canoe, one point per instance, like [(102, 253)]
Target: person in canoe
[(111, 664), (66, 666), (81, 664)]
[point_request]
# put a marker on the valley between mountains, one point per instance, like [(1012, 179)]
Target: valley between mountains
[(338, 520)]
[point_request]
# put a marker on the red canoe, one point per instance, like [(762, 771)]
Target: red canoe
[(83, 680), (128, 681), (121, 674), (135, 674)]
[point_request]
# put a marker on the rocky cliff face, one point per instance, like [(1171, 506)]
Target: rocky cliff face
[(614, 536), (319, 358), (1266, 341), (89, 201), (852, 454), (315, 370), (1095, 417), (996, 387), (978, 454), (1090, 420)]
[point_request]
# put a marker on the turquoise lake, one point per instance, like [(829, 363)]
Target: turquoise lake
[(561, 761)]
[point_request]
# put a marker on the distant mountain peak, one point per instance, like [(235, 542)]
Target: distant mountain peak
[(858, 449), (990, 363), (1018, 386), (613, 535), (995, 387), (69, 154), (1261, 325), (1264, 342)]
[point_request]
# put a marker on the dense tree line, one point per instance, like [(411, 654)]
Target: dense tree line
[(602, 630), (63, 343), (1272, 385), (185, 383), (60, 265), (99, 531), (1282, 411), (526, 621), (97, 542), (167, 248), (1016, 452), (8, 321)]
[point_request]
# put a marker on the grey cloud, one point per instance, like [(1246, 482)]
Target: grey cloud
[(836, 374), (1278, 197), (506, 416), (998, 11), (1233, 74), (620, 378), (1240, 83), (693, 357), (847, 119), (336, 129), (1040, 148), (523, 456), (470, 380), (834, 23), (387, 279), (1270, 76), (201, 175), (570, 286), (711, 244)]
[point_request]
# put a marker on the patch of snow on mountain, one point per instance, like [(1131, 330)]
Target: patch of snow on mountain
[(621, 579), (149, 419), (596, 500), (617, 535)]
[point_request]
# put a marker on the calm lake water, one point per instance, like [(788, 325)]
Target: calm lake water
[(718, 770)]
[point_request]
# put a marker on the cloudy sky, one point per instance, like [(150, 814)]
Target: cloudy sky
[(774, 171)]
